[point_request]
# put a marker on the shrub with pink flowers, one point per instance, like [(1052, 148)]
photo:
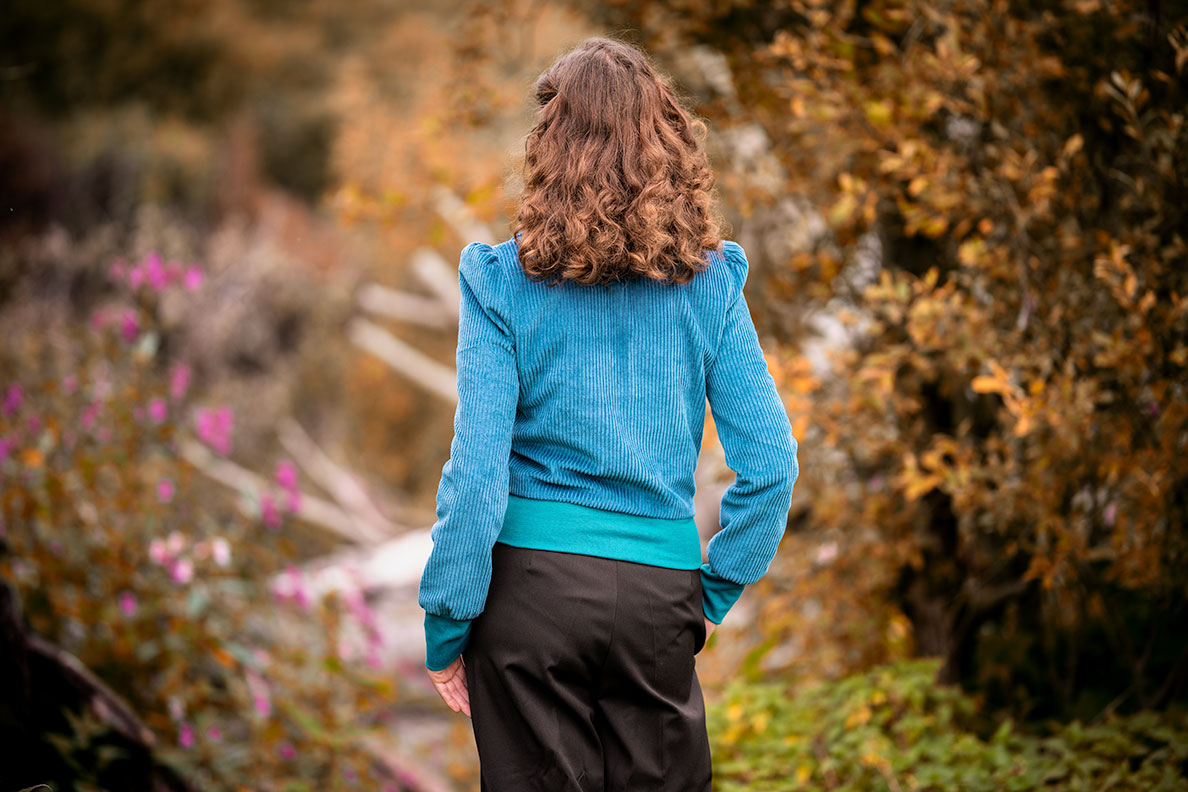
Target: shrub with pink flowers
[(130, 558)]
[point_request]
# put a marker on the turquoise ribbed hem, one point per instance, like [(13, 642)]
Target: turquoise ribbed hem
[(718, 594), (573, 528), (445, 638)]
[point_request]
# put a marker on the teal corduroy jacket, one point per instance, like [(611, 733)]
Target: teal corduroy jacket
[(579, 424)]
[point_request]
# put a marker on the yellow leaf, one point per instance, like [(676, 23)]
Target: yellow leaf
[(879, 112), (988, 384), (843, 210)]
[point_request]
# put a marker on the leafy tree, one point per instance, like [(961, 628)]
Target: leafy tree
[(1011, 416)]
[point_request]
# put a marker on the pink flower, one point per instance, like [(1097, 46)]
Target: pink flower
[(185, 735), (90, 414), (221, 551), (127, 602), (69, 383), (214, 428), (6, 447), (181, 571), (130, 325), (135, 277), (34, 424), (259, 690), (286, 475), (158, 409), (164, 490), (1110, 515), (173, 270), (287, 751), (179, 380), (12, 399), (175, 543), (293, 502), (213, 734), (268, 513), (192, 280), (157, 552), (154, 271), (98, 319), (291, 586)]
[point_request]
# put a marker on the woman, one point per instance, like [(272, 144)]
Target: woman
[(565, 596)]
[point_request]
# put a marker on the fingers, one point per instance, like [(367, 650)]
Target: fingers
[(450, 684)]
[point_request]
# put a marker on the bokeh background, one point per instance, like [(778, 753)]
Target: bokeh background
[(229, 233)]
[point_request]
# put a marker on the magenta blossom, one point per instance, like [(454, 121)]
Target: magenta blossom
[(293, 502), (12, 399), (154, 271), (185, 735), (220, 551), (127, 602), (214, 428), (158, 409), (90, 414), (6, 447), (157, 552), (268, 511), (164, 490), (98, 319), (192, 280), (181, 570), (130, 325), (287, 751), (286, 475), (179, 380)]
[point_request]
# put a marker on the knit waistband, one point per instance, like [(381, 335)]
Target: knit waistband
[(574, 528)]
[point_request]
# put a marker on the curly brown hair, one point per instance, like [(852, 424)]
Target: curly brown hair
[(616, 182)]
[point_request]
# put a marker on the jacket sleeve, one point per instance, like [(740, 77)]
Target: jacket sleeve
[(472, 494), (757, 438)]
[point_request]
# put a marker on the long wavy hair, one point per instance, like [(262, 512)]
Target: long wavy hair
[(617, 184)]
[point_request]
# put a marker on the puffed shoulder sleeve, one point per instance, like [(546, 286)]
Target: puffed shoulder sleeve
[(485, 310)]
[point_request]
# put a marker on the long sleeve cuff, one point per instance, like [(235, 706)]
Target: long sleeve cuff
[(718, 594), (445, 638)]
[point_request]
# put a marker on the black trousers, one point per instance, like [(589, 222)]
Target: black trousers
[(581, 676)]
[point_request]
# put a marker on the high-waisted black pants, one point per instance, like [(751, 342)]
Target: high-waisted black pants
[(581, 676)]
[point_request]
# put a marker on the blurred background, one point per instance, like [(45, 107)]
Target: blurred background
[(229, 233)]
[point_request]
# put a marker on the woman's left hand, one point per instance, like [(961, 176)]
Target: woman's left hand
[(450, 684)]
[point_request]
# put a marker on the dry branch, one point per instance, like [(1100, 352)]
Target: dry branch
[(403, 357), (314, 510), (426, 311), (340, 484)]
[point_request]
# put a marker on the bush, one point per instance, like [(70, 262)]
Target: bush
[(125, 556), (893, 728)]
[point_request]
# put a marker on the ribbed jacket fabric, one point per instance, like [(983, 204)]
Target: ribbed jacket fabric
[(585, 407)]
